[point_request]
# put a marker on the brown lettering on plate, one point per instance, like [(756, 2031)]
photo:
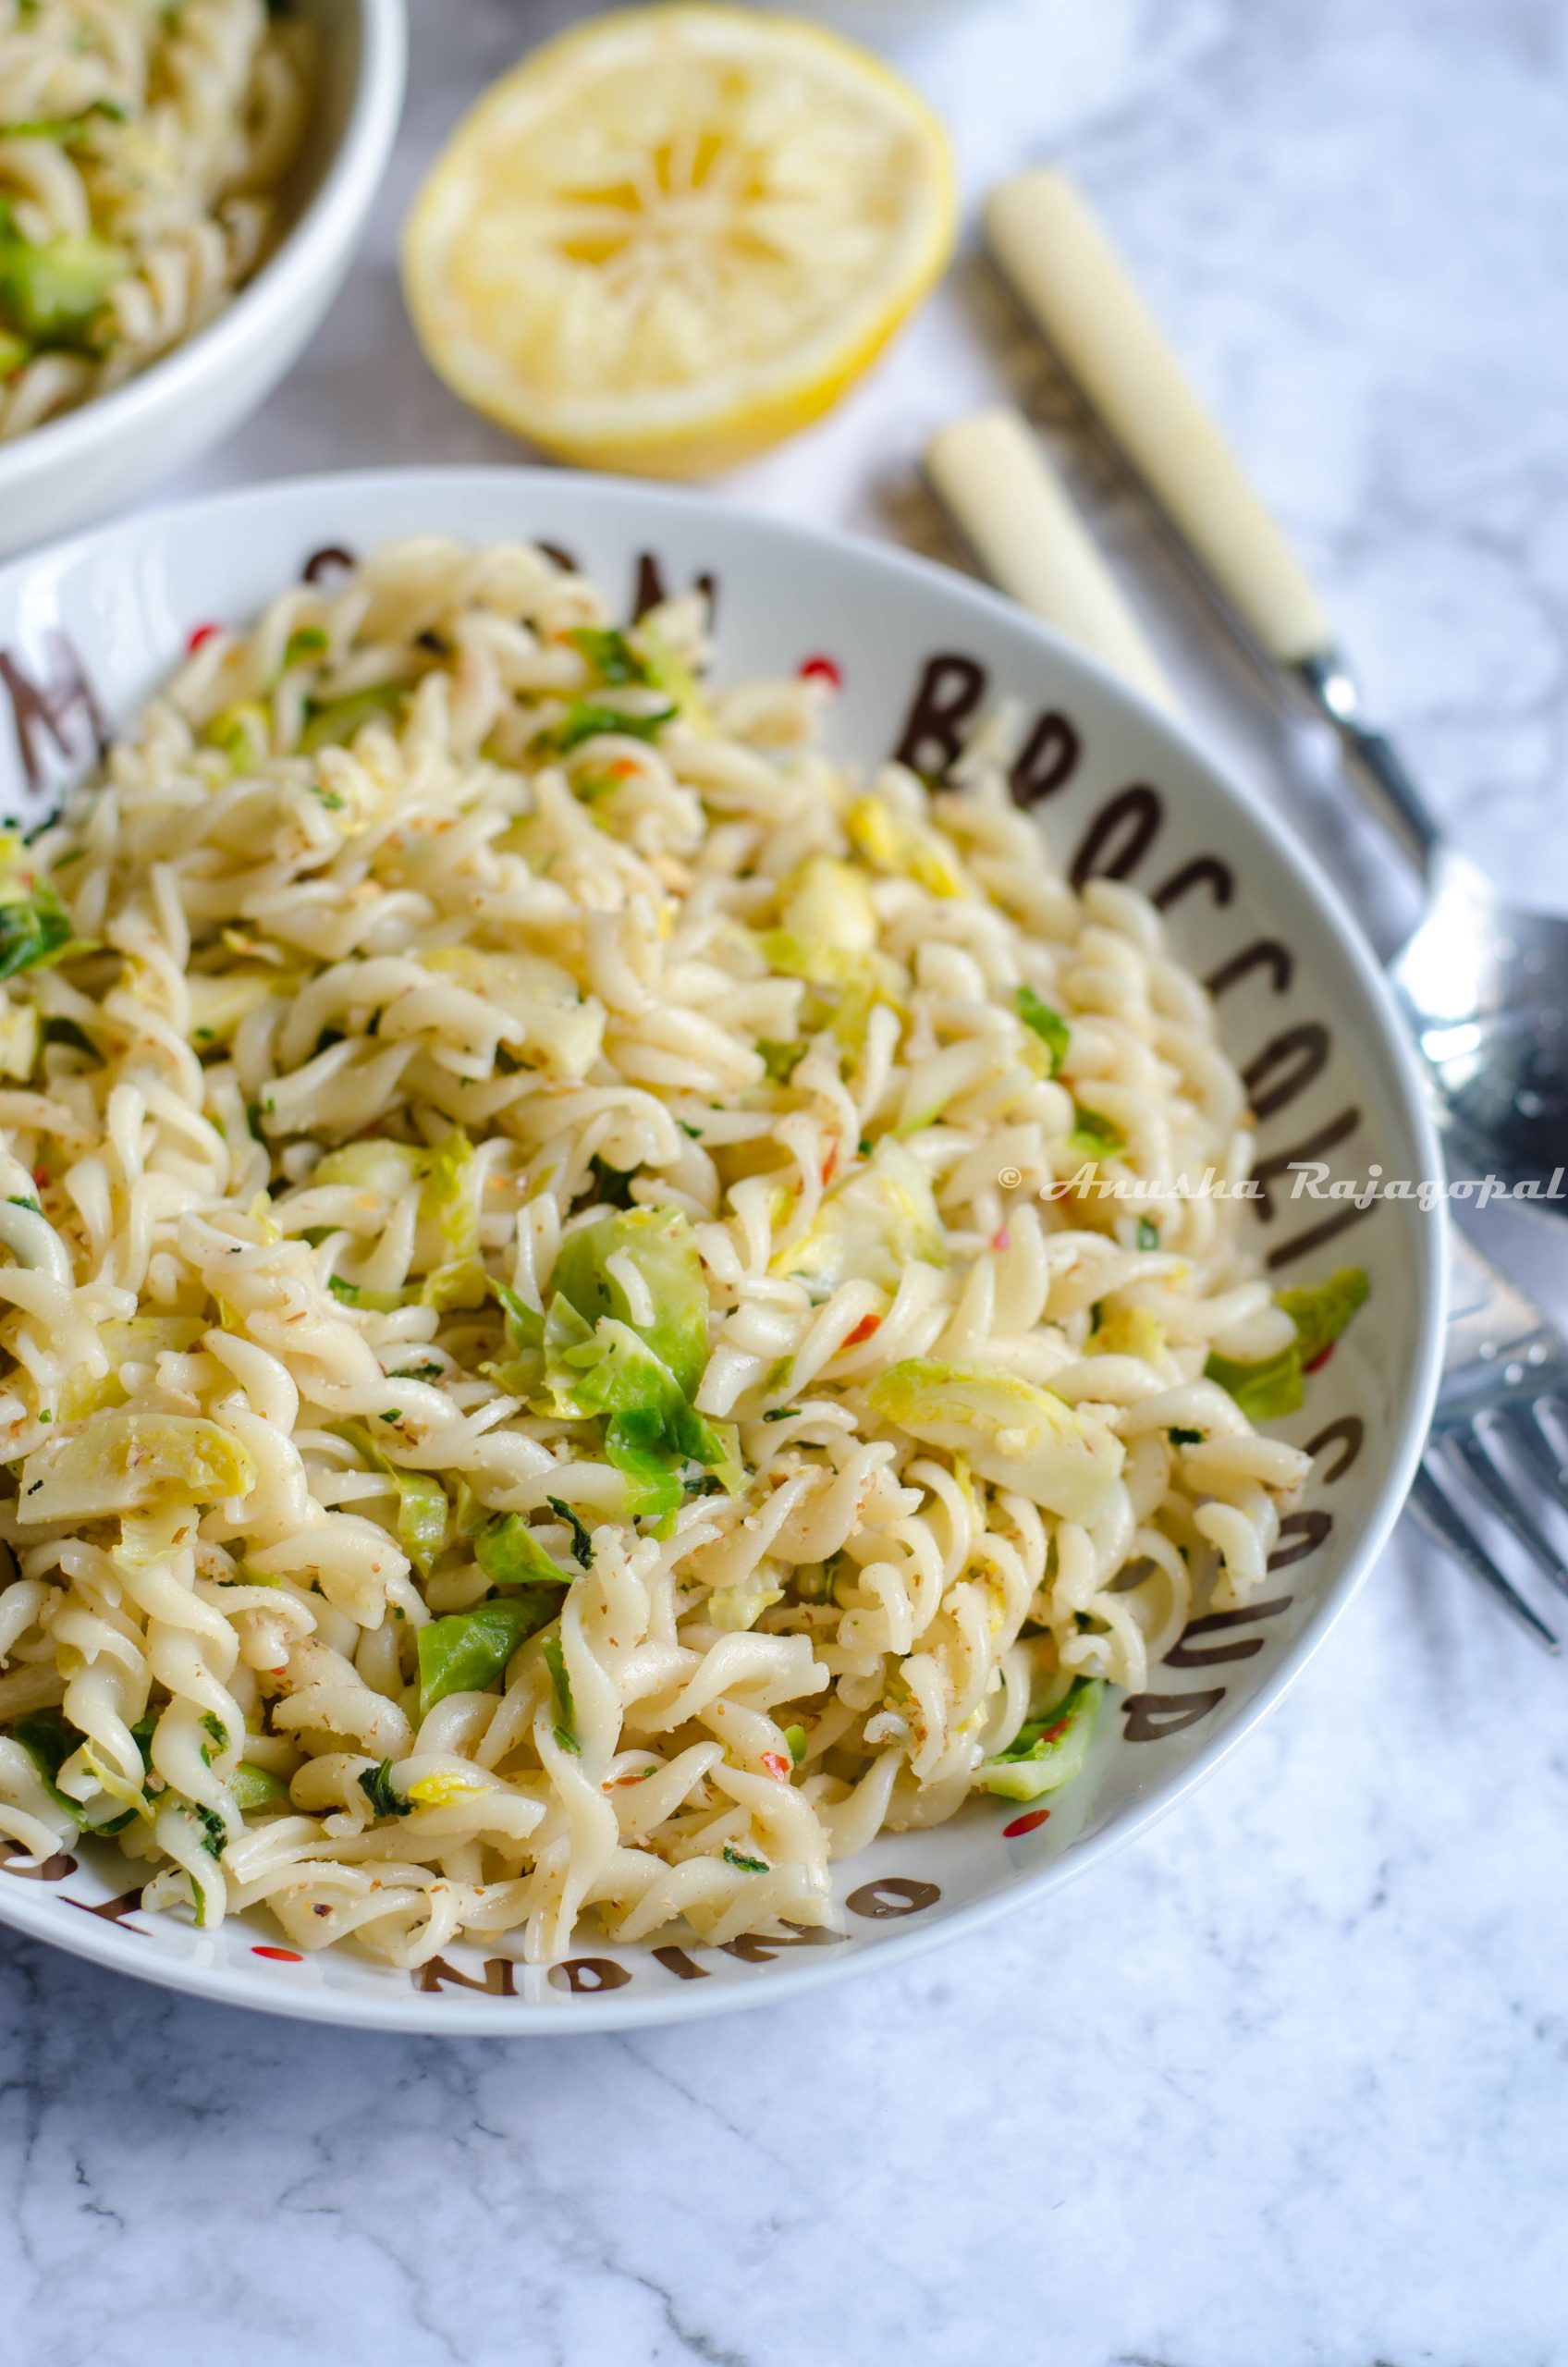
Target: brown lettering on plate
[(1348, 1434), (1302, 1244), (53, 1868), (761, 1948), (585, 1976), (1047, 761), (1267, 955), (650, 586), (677, 1961), (1120, 835), (1286, 1067), (558, 558), (1204, 871), (1151, 1716), (1187, 1653), (949, 688), (891, 1894), (498, 1979), (332, 560), (48, 706), (1311, 1528), (112, 1910), (1278, 1163)]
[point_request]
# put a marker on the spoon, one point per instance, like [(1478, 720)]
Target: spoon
[(1483, 980)]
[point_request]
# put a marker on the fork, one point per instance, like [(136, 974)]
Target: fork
[(1505, 1367), (1505, 1380)]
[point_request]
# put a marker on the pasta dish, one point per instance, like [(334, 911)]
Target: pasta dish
[(559, 1357), (141, 150)]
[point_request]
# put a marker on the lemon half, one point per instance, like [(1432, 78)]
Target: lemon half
[(669, 238)]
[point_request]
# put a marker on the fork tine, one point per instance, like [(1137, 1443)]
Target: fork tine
[(1471, 1447), (1438, 1515), (1530, 1434)]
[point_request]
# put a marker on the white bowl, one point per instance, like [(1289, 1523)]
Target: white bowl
[(85, 462), (1307, 1018)]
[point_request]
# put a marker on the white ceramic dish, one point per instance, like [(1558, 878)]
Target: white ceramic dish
[(87, 461), (1304, 1012)]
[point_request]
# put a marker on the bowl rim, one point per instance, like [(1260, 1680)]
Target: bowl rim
[(328, 224), (104, 1945)]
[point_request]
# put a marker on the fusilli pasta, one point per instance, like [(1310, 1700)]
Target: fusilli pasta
[(540, 1375), (141, 150)]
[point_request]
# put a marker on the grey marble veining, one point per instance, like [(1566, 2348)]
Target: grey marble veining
[(1286, 2083)]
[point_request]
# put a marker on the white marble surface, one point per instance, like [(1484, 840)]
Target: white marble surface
[(1286, 2084)]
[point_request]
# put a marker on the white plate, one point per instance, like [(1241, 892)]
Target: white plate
[(80, 465), (1303, 1012)]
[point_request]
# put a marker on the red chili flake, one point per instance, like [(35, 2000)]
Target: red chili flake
[(41, 1177), (1319, 1360), (820, 669), (202, 633), (863, 1330), (776, 1765), (279, 1956), (831, 1163), (1001, 1238), (1021, 1824)]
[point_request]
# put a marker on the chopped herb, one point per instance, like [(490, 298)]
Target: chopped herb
[(1148, 1234), (582, 1544), (566, 1714), (695, 1131), (392, 1414), (779, 1414), (586, 718), (796, 1738), (612, 1185), (747, 1864), (66, 1032), (1185, 1438), (215, 1832), (215, 1727), (609, 653), (23, 1200), (1046, 1024), (34, 931), (377, 1784)]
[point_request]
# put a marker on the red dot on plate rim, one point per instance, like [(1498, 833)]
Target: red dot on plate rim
[(820, 669), (1021, 1824), (280, 1955), (202, 633)]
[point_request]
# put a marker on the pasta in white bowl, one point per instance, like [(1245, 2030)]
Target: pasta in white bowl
[(141, 150), (603, 1303)]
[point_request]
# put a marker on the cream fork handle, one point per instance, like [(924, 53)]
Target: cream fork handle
[(993, 475), (1075, 284)]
